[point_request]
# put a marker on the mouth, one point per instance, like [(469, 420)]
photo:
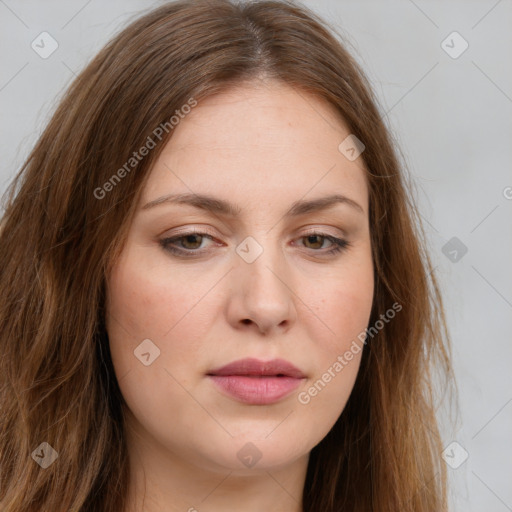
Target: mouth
[(256, 382)]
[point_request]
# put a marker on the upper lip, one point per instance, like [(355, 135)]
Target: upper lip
[(251, 366)]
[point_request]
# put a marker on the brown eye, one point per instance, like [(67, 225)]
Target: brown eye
[(188, 244), (191, 241), (316, 241)]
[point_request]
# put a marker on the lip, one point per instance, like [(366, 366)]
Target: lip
[(256, 382)]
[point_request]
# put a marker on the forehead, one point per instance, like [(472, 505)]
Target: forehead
[(264, 140)]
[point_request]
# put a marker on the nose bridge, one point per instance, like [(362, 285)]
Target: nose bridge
[(262, 265), (264, 281)]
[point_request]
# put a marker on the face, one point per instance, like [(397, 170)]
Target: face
[(228, 317)]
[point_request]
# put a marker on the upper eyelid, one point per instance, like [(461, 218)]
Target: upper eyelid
[(307, 230)]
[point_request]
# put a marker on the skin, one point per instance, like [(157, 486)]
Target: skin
[(261, 146)]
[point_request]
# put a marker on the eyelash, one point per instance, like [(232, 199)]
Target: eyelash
[(339, 244)]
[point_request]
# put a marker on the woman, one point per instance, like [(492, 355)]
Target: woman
[(215, 295)]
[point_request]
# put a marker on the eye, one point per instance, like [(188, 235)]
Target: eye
[(185, 243), (315, 241), (191, 244)]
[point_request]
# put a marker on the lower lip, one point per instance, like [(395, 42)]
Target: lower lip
[(256, 390)]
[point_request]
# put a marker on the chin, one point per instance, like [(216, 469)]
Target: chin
[(250, 452)]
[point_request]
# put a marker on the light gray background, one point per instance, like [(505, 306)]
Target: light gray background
[(452, 119)]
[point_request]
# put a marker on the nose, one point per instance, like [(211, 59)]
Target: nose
[(262, 296)]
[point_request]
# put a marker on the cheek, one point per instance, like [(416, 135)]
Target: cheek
[(149, 300), (342, 307), (146, 302), (175, 309), (346, 312), (342, 304)]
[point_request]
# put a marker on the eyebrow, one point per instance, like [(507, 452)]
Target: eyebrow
[(221, 207)]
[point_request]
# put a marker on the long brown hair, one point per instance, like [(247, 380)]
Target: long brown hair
[(60, 237)]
